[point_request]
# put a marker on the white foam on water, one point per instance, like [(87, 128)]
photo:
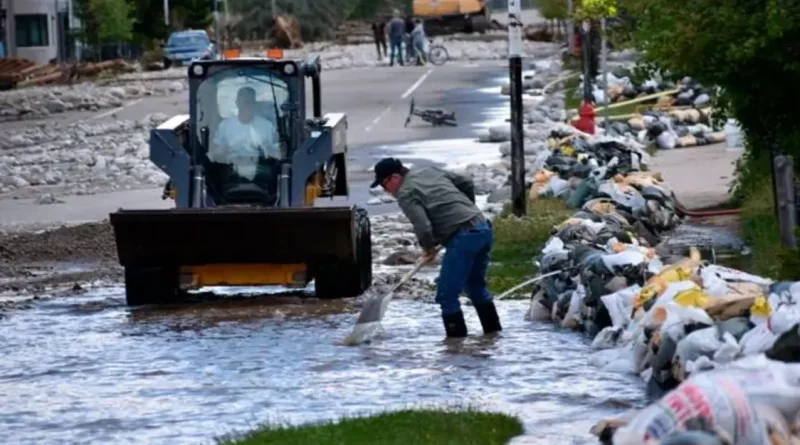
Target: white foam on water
[(453, 153)]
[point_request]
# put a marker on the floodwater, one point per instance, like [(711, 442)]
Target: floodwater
[(90, 370)]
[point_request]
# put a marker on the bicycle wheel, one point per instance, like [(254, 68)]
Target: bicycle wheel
[(438, 55)]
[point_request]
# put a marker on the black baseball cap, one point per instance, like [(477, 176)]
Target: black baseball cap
[(384, 168)]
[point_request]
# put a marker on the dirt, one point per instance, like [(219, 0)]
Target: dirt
[(55, 261)]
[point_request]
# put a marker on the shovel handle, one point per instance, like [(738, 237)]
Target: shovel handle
[(421, 262)]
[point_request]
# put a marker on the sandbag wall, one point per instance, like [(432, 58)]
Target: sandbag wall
[(668, 318)]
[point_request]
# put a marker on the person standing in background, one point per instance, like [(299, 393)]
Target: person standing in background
[(379, 32), (409, 40), (397, 29)]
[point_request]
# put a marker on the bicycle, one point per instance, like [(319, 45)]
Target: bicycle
[(437, 55)]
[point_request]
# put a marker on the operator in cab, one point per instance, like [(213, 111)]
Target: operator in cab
[(441, 207), (241, 140)]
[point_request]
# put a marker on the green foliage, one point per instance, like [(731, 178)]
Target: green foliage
[(518, 241), (554, 9), (432, 426), (114, 23), (749, 48), (595, 9)]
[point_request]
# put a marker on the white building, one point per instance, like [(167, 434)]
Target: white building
[(37, 29)]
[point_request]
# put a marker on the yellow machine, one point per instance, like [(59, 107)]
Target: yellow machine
[(443, 16)]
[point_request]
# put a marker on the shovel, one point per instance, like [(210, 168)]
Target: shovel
[(369, 320)]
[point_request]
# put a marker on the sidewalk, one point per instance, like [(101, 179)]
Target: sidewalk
[(699, 176)]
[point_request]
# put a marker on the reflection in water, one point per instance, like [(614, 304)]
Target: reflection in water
[(184, 375)]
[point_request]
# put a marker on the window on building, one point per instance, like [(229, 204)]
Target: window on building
[(32, 30)]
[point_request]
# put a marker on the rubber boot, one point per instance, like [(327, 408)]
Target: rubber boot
[(454, 325), (487, 313)]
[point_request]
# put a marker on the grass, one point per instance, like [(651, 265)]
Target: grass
[(517, 241), (426, 426), (760, 230)]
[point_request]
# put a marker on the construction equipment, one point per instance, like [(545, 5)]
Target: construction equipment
[(248, 218), (449, 16), (436, 117)]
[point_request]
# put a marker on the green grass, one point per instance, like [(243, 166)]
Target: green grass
[(418, 427), (760, 230), (517, 241)]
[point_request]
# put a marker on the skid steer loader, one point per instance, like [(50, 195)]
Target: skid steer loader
[(245, 168)]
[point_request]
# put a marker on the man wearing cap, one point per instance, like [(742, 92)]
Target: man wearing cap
[(441, 207)]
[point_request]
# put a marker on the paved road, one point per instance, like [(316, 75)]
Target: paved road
[(375, 100)]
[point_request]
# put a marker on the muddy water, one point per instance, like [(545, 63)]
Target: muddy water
[(90, 370)]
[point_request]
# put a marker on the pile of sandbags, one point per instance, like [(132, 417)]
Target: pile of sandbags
[(675, 128)]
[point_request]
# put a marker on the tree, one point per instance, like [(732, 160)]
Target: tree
[(554, 11), (749, 48), (113, 20)]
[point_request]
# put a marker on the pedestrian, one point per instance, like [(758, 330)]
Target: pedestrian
[(418, 40), (379, 32), (409, 21), (397, 29), (441, 207)]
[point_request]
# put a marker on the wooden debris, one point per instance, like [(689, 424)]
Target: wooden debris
[(20, 73)]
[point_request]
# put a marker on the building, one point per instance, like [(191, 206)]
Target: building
[(37, 30)]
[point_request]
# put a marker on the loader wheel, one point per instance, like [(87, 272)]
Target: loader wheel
[(346, 280), (151, 285)]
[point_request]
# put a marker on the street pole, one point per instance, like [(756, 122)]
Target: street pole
[(166, 12), (570, 27), (217, 36), (585, 42), (604, 55), (515, 50)]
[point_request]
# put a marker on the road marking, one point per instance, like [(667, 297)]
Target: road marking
[(405, 95), (375, 121), (416, 84), (115, 110)]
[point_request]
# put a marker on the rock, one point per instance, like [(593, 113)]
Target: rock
[(503, 194), (47, 198), (400, 258)]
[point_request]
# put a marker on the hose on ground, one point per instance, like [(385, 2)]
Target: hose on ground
[(683, 211)]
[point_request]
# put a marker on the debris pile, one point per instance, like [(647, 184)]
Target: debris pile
[(81, 158), (20, 73)]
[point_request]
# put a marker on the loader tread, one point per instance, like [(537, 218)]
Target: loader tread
[(350, 279), (151, 285)]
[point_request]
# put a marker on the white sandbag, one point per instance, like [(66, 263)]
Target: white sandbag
[(556, 186), (575, 306), (666, 140), (624, 258), (672, 290), (701, 342), (766, 381), (784, 318), (757, 340), (717, 397), (554, 244), (713, 284), (537, 311), (728, 274), (679, 316), (619, 305)]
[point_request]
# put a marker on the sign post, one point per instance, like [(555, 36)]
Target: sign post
[(166, 12), (515, 50)]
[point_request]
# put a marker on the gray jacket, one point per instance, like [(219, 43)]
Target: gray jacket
[(437, 202)]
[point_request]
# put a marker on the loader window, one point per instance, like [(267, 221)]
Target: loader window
[(243, 110)]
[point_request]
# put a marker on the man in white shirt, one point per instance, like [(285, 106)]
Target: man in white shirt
[(242, 139)]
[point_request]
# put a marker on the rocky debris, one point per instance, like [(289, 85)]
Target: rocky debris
[(84, 242), (44, 101), (82, 158)]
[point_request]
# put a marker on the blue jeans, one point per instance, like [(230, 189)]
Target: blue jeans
[(396, 47), (464, 268)]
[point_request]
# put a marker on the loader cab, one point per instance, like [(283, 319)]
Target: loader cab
[(246, 121)]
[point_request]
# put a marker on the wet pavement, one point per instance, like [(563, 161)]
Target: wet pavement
[(90, 370)]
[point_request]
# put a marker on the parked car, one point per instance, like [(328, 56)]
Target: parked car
[(185, 46)]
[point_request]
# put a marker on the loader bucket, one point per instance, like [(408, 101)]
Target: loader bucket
[(183, 237)]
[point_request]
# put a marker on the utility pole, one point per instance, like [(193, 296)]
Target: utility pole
[(585, 42), (274, 8), (166, 13), (570, 26), (217, 35), (604, 55), (515, 50)]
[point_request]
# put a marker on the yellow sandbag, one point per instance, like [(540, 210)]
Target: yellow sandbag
[(693, 116), (687, 141), (540, 181), (692, 298), (568, 150), (761, 307), (602, 208), (718, 136), (636, 123), (656, 285)]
